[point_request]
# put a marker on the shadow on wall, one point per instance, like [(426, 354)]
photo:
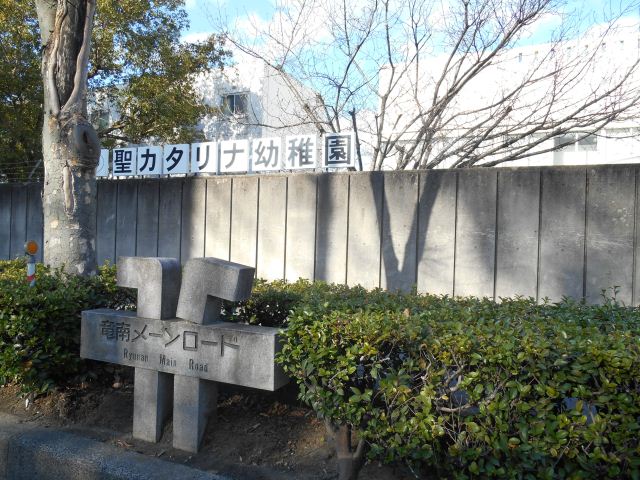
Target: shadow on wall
[(333, 204), (539, 232), (505, 232)]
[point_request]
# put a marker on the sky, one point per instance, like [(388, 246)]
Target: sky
[(316, 59), (204, 15)]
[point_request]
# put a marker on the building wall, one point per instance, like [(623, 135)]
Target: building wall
[(539, 232), (282, 103), (274, 102), (587, 66)]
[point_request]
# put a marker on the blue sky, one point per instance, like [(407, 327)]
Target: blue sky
[(203, 13)]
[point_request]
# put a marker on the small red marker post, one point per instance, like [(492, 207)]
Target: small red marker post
[(31, 248)]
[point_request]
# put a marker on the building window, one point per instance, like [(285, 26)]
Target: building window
[(588, 144), (567, 140), (235, 104), (571, 142)]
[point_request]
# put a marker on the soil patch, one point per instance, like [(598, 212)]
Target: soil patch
[(257, 435)]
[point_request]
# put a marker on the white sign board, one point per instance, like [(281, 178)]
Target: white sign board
[(102, 170), (295, 152), (176, 159), (339, 150), (266, 154), (149, 161), (124, 162), (234, 156), (300, 152), (204, 157)]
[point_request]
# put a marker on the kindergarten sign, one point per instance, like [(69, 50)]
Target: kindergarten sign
[(294, 152)]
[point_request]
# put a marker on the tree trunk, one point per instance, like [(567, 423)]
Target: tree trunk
[(350, 460), (70, 144)]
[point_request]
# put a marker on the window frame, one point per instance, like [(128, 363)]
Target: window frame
[(235, 104)]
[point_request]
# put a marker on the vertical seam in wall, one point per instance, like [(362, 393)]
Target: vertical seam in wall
[(204, 214), (257, 229), (231, 182), (181, 222), (115, 228), (158, 219), (137, 225), (181, 225), (315, 232), (586, 231), (26, 223), (26, 218), (455, 237), (346, 263), (18, 190), (9, 252), (187, 227), (135, 245), (540, 192), (15, 229), (12, 221), (41, 195), (286, 218), (635, 235), (257, 225), (417, 239), (97, 242), (383, 206), (495, 238)]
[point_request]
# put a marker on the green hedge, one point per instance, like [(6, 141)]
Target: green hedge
[(468, 388), (458, 388), (40, 326)]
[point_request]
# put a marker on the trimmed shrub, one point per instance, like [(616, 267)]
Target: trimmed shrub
[(468, 388), (40, 325), (269, 304), (457, 388)]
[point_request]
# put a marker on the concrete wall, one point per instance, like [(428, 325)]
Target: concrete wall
[(539, 232)]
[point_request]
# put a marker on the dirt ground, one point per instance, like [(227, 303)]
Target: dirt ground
[(257, 435)]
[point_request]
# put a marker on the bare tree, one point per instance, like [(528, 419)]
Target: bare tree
[(423, 77), (70, 145)]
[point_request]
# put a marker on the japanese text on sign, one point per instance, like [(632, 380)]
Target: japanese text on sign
[(294, 152), (120, 331)]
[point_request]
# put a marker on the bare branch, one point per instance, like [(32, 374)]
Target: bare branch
[(426, 84)]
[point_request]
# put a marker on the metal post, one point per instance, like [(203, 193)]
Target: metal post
[(31, 270), (31, 248)]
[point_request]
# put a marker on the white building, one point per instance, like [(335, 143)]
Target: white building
[(254, 101), (590, 66)]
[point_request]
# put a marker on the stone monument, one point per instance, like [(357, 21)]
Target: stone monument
[(179, 347)]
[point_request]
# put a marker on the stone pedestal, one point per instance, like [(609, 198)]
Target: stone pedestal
[(152, 399), (179, 361), (157, 281), (208, 281), (194, 403)]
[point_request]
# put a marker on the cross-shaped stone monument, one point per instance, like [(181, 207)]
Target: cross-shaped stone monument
[(179, 347)]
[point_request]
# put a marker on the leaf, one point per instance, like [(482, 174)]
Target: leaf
[(473, 427)]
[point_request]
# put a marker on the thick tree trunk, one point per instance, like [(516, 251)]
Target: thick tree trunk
[(69, 198), (70, 145)]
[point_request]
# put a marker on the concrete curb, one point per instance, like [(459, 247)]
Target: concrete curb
[(30, 453)]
